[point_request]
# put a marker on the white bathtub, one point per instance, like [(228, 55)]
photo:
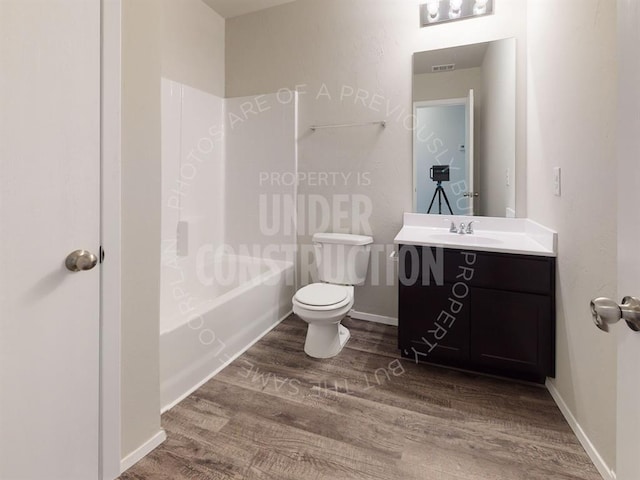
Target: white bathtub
[(229, 313)]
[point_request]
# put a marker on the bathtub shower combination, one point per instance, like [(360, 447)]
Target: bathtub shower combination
[(220, 289), (223, 321)]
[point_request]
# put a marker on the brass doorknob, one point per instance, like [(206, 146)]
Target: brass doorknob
[(80, 261)]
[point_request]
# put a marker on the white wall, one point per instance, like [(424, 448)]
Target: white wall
[(193, 45), (498, 126), (328, 45), (141, 65), (193, 187), (261, 168), (572, 117)]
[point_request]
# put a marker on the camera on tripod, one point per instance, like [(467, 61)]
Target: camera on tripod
[(439, 173)]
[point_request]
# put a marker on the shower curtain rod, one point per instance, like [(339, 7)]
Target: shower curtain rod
[(382, 123)]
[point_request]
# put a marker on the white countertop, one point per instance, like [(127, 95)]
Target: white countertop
[(503, 235)]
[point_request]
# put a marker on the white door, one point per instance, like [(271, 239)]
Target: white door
[(470, 152), (628, 436), (49, 207)]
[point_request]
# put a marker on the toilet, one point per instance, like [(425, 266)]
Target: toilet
[(342, 261)]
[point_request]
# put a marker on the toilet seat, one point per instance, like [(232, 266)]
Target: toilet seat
[(323, 296)]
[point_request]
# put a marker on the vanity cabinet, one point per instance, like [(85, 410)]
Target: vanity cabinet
[(481, 311)]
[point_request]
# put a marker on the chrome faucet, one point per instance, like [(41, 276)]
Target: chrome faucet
[(463, 229), (470, 226)]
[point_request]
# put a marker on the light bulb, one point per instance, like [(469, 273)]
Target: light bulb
[(480, 7), (455, 8), (433, 7)]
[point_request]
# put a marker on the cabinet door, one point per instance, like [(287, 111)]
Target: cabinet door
[(511, 332), (432, 328)]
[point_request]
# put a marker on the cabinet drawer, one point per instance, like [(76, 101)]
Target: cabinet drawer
[(514, 273), (428, 266), (421, 266)]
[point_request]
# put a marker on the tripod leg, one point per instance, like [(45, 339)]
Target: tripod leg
[(439, 200), (432, 201), (447, 200)]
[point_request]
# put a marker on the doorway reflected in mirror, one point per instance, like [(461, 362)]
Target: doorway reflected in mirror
[(443, 135)]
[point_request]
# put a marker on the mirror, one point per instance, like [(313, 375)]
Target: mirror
[(464, 139)]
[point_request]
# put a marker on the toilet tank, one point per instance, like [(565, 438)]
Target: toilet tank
[(342, 259)]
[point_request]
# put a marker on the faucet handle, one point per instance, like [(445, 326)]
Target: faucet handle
[(452, 228), (470, 226)]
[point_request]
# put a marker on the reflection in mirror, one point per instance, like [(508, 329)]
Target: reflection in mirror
[(464, 105)]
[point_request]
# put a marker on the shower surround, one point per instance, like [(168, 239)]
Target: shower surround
[(226, 280)]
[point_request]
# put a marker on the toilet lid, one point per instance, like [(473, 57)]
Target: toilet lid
[(321, 294)]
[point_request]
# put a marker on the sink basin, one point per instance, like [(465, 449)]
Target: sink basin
[(500, 235), (455, 238)]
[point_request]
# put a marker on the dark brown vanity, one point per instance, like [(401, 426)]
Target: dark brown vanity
[(481, 311)]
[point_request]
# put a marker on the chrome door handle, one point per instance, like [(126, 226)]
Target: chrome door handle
[(607, 312), (471, 194), (80, 261)]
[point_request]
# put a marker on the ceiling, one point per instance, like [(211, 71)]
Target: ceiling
[(234, 8), (468, 56)]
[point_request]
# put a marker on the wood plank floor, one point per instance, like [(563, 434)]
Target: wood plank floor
[(277, 414)]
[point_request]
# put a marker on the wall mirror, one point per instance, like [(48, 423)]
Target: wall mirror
[(464, 139)]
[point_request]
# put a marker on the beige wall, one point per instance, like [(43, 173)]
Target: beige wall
[(193, 45), (329, 45), (141, 58), (572, 117), (441, 86), (182, 40)]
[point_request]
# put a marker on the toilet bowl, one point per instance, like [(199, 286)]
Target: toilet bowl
[(342, 262), (323, 306)]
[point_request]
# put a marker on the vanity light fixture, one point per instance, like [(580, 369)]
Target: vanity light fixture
[(441, 11)]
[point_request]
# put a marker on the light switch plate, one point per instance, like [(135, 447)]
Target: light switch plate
[(557, 181)]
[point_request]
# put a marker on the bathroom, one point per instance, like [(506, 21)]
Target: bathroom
[(245, 93)]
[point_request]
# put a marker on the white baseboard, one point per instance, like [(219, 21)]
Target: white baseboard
[(145, 449), (606, 472), (222, 366), (370, 317)]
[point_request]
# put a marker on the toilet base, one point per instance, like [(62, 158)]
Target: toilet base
[(326, 341)]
